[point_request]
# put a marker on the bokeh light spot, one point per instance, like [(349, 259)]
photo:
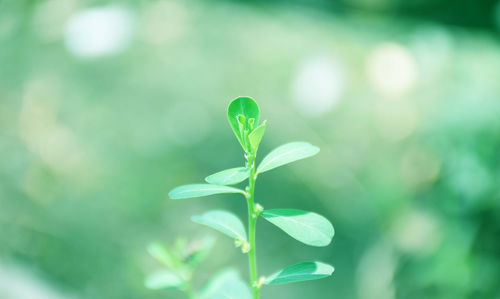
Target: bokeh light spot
[(99, 31), (416, 232), (317, 86), (392, 69)]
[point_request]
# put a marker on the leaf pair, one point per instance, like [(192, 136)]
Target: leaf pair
[(307, 227), (282, 155)]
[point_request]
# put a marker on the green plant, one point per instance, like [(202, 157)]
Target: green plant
[(307, 227), (180, 262)]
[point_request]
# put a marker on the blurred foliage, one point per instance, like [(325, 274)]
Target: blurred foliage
[(95, 129)]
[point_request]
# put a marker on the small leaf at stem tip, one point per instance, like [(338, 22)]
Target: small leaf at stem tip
[(307, 227), (161, 254), (163, 279), (223, 221), (287, 153), (198, 190), (300, 272), (229, 176), (246, 107), (256, 136), (226, 285)]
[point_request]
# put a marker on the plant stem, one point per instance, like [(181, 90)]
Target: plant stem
[(252, 221)]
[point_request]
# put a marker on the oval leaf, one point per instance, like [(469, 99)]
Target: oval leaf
[(198, 190), (242, 106), (162, 280), (226, 285), (225, 222), (306, 227), (287, 153), (256, 136), (300, 272), (229, 176)]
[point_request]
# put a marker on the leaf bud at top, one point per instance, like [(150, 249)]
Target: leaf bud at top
[(251, 122), (241, 119)]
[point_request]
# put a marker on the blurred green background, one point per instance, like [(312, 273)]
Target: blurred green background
[(105, 106)]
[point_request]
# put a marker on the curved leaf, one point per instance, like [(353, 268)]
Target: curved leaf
[(307, 227), (223, 221), (162, 280), (229, 176), (226, 285), (242, 106), (287, 153), (300, 272), (256, 136), (198, 190)]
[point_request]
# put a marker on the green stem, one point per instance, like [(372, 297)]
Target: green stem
[(252, 221)]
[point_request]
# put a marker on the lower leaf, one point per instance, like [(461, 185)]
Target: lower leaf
[(226, 285), (300, 272), (163, 279)]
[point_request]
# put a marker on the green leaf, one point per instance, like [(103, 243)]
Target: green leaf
[(306, 227), (242, 106), (287, 153), (226, 285), (256, 136), (162, 280), (161, 254), (300, 272), (223, 221), (229, 176), (198, 190)]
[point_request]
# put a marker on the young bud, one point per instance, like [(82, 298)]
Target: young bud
[(251, 122), (245, 247), (258, 284), (241, 119), (258, 209)]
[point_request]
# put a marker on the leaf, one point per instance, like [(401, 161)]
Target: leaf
[(256, 136), (306, 227), (242, 106), (300, 272), (198, 190), (223, 221), (162, 280), (287, 153), (226, 285), (229, 176), (161, 254)]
